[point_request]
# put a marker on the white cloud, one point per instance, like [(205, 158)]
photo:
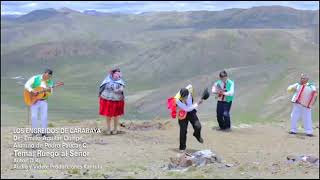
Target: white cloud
[(31, 5)]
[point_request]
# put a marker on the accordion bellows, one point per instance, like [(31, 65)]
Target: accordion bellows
[(306, 96)]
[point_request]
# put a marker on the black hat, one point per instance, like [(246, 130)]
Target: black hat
[(205, 94), (49, 71), (184, 92), (223, 74)]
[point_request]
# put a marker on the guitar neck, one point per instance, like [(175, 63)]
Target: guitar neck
[(42, 91)]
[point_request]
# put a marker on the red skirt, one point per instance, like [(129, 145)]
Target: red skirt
[(111, 108)]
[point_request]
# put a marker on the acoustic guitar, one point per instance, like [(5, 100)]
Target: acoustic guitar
[(40, 93)]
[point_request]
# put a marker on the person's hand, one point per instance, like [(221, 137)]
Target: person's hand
[(293, 89), (220, 92), (200, 101), (34, 92), (48, 89), (118, 91)]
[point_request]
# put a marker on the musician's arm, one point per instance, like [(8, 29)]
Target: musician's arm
[(50, 88), (214, 88), (120, 89), (231, 92), (313, 87), (28, 85), (292, 87), (185, 107)]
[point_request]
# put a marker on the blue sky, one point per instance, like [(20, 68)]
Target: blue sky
[(23, 7)]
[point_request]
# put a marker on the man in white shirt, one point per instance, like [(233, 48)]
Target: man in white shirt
[(185, 102), (299, 110), (224, 89), (44, 81)]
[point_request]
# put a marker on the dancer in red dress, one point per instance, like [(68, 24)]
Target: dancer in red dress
[(111, 99)]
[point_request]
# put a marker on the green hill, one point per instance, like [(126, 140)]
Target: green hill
[(159, 53)]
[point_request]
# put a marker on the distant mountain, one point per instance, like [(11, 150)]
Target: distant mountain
[(99, 13), (38, 15), (44, 14), (65, 10), (9, 17), (94, 13), (256, 17)]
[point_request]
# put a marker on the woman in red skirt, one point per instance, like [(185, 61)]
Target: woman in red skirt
[(111, 99)]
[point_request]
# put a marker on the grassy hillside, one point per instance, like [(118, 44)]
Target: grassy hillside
[(156, 62)]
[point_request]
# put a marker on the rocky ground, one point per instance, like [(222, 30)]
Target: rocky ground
[(143, 150)]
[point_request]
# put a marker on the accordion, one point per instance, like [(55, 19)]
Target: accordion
[(306, 96)]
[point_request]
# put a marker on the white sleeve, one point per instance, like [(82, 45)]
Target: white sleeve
[(231, 92), (214, 89), (29, 84), (185, 107), (292, 87)]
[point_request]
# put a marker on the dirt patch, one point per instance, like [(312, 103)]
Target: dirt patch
[(145, 126), (259, 151)]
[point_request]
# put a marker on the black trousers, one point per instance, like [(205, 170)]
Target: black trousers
[(193, 118), (223, 114)]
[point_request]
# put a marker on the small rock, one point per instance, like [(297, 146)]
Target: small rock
[(218, 159), (32, 176), (229, 165), (105, 176), (291, 157), (312, 159)]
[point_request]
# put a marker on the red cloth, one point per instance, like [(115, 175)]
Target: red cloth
[(224, 87), (172, 106), (111, 108)]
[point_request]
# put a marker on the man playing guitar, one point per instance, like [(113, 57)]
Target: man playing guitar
[(44, 82)]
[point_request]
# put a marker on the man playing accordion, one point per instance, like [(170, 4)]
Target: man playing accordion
[(305, 94)]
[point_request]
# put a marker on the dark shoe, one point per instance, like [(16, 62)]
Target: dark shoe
[(200, 140), (310, 135), (292, 132)]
